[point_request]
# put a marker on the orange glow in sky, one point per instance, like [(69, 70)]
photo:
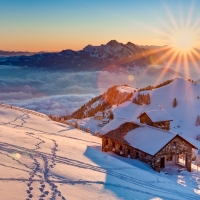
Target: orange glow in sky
[(58, 25)]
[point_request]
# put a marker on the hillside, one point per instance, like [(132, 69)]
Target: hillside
[(114, 96), (184, 115), (42, 159)]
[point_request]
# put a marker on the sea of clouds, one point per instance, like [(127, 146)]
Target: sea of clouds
[(60, 92), (54, 92)]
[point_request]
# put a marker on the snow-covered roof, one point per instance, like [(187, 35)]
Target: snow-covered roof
[(146, 138), (115, 123), (158, 115), (149, 139)]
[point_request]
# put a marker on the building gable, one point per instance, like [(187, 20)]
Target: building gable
[(157, 115)]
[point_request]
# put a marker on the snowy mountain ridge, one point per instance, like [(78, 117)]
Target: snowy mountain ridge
[(90, 57), (114, 49)]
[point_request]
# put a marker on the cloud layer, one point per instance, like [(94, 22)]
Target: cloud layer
[(61, 92), (57, 105)]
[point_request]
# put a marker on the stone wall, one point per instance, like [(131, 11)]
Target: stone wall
[(175, 147), (162, 125), (126, 150)]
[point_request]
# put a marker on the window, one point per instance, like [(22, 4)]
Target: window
[(137, 155), (174, 143), (129, 151), (106, 142), (120, 148), (169, 158), (113, 144)]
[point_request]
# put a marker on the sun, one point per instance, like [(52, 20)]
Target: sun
[(183, 41)]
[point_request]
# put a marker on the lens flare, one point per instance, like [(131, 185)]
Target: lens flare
[(130, 77), (16, 156)]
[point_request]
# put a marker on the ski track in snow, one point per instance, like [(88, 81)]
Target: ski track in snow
[(44, 161)]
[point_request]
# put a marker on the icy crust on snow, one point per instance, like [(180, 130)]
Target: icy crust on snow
[(148, 139)]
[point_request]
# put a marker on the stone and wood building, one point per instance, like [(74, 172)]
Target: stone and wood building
[(157, 147), (157, 118)]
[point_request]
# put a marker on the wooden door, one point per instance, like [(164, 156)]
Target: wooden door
[(162, 162)]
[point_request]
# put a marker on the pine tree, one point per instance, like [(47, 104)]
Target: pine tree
[(149, 99), (174, 102)]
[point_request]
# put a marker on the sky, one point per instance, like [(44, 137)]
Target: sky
[(50, 25)]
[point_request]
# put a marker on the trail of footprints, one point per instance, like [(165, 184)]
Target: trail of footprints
[(41, 168), (47, 188)]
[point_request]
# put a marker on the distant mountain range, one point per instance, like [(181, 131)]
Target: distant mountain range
[(89, 58), (15, 53)]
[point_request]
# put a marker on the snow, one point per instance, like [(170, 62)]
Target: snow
[(99, 114), (115, 123), (184, 115), (159, 115), (88, 122), (42, 159), (145, 137), (127, 89)]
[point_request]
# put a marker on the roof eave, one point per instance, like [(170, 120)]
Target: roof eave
[(163, 121)]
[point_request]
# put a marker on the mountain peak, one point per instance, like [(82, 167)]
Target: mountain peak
[(130, 44), (113, 43)]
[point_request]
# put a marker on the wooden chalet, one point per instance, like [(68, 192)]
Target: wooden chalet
[(157, 118), (157, 147)]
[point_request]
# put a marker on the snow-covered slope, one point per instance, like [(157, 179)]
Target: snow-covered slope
[(184, 115), (42, 159)]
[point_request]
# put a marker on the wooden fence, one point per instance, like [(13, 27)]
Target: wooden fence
[(25, 111)]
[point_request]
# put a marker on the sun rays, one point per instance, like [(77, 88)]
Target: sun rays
[(183, 41), (182, 50)]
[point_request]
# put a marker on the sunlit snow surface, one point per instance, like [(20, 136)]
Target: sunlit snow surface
[(41, 159)]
